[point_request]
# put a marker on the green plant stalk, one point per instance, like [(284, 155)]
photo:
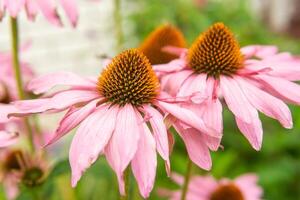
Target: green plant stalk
[(18, 76), (127, 184), (118, 24), (187, 177)]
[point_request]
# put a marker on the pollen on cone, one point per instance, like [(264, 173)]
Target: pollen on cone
[(165, 35)]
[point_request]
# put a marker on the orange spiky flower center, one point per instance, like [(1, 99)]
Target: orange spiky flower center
[(227, 192), (129, 78), (215, 52), (165, 35)]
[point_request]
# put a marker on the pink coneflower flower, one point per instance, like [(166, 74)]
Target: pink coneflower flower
[(207, 188), (115, 113), (46, 7), (251, 79)]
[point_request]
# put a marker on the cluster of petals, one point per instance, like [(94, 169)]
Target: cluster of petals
[(121, 133), (204, 188), (264, 83), (47, 7)]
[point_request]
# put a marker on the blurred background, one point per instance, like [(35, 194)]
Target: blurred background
[(79, 50)]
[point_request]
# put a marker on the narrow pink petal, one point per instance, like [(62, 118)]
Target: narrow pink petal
[(44, 83), (252, 131), (31, 9), (124, 142), (259, 51), (72, 118), (196, 147), (70, 7), (267, 104), (90, 139), (160, 134), (7, 139), (194, 83), (144, 162), (188, 117), (236, 100), (14, 6), (175, 65), (281, 88), (49, 11), (5, 110)]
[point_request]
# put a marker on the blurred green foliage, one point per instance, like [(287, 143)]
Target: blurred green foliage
[(277, 164)]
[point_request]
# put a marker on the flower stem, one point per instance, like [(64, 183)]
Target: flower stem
[(127, 184), (187, 177), (118, 24), (17, 71)]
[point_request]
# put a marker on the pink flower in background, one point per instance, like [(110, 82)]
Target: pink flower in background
[(47, 7), (114, 113), (207, 188), (251, 79)]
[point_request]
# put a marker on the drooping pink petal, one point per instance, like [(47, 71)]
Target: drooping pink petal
[(188, 117), (31, 9), (281, 88), (90, 140), (48, 9), (159, 132), (267, 104), (252, 131), (195, 83), (144, 162), (124, 142), (14, 6), (44, 83), (196, 147), (70, 7), (236, 100), (72, 118), (7, 139), (260, 51), (175, 65)]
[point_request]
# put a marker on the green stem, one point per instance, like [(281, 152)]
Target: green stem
[(127, 184), (18, 77), (187, 177), (118, 24)]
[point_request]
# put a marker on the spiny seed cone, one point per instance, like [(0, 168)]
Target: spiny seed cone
[(215, 52), (129, 78), (165, 35), (227, 192)]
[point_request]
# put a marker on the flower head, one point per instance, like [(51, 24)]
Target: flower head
[(46, 7), (120, 114), (162, 37), (249, 79), (207, 188)]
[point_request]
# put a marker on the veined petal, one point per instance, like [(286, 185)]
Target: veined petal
[(281, 88), (49, 11), (7, 139), (70, 7), (267, 104), (160, 134), (44, 83), (144, 162), (72, 118), (90, 139), (193, 84), (236, 100), (124, 142)]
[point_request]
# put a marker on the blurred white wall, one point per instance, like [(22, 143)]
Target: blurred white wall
[(56, 49)]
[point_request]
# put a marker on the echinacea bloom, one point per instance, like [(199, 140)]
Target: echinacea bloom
[(163, 36), (47, 7), (243, 187), (250, 79), (114, 114)]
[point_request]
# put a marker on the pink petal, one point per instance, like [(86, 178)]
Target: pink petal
[(175, 65), (124, 142), (159, 132), (31, 9), (90, 139), (195, 83), (7, 139), (236, 100), (281, 88), (49, 11), (72, 118), (44, 83), (144, 162), (249, 186), (188, 117), (267, 104), (14, 6), (70, 7), (259, 51), (252, 131), (196, 147)]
